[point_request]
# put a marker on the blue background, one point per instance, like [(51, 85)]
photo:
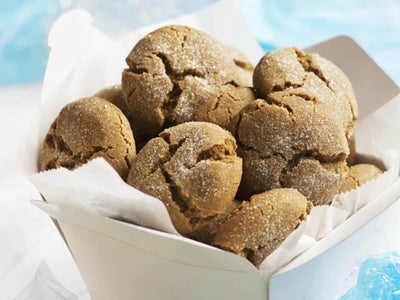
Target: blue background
[(375, 25)]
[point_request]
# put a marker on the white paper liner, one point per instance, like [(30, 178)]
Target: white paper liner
[(83, 61), (354, 200), (96, 187)]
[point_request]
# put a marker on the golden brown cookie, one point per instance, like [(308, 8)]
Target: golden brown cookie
[(257, 227), (225, 106), (193, 168), (85, 129), (291, 143), (310, 76), (172, 71), (114, 95), (358, 175)]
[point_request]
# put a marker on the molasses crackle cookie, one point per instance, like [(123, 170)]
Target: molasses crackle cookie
[(85, 129), (193, 169), (172, 71), (297, 135)]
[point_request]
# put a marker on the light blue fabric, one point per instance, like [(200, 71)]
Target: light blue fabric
[(23, 30), (374, 24)]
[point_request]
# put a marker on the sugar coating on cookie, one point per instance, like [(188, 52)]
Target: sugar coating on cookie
[(225, 106), (85, 129), (292, 143), (115, 95), (172, 71), (292, 71), (193, 168), (358, 175), (257, 227)]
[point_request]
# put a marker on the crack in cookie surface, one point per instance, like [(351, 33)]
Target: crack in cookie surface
[(68, 159), (306, 61)]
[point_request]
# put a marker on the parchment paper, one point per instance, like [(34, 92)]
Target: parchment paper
[(82, 61)]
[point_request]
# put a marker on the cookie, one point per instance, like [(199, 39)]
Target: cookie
[(291, 143), (299, 137), (114, 95), (257, 227), (291, 71), (358, 175), (310, 76), (85, 129), (225, 106), (172, 71), (193, 169)]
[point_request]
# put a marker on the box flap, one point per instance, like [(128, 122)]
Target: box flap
[(346, 229), (118, 260), (372, 86), (158, 243)]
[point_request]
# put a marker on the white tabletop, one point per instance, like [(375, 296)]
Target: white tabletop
[(33, 255)]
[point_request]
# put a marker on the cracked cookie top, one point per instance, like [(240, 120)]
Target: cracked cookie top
[(290, 71), (193, 168), (85, 129), (257, 227), (172, 71)]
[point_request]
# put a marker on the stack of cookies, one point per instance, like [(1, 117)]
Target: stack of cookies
[(238, 155)]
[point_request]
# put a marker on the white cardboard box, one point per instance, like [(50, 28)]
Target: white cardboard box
[(123, 261)]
